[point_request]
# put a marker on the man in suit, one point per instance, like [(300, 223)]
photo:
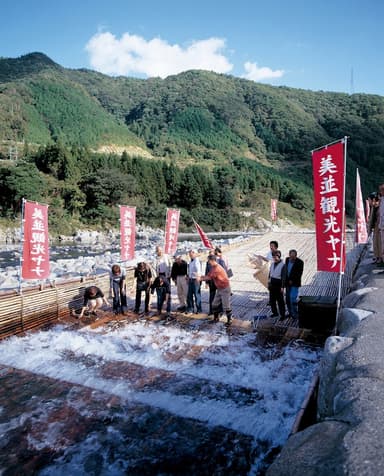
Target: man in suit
[(294, 267)]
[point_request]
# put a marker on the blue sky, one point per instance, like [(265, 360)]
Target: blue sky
[(324, 45)]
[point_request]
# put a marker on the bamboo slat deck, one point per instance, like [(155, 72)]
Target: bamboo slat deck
[(250, 297)]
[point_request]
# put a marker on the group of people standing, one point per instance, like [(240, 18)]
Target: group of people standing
[(283, 284), (376, 224), (187, 276), (284, 276)]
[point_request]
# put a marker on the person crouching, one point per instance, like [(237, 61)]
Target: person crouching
[(93, 300), (163, 291), (223, 289)]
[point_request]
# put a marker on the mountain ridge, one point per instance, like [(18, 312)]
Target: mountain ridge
[(195, 117)]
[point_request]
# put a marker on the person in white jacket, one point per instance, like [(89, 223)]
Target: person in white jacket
[(276, 285), (194, 284)]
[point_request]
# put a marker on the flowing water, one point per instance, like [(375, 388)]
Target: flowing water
[(143, 398)]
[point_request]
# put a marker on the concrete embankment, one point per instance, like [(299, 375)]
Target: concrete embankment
[(348, 438)]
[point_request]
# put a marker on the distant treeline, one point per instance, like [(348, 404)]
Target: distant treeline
[(83, 187)]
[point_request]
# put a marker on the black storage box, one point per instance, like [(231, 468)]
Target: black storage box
[(317, 312)]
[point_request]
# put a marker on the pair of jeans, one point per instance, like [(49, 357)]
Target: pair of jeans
[(119, 297), (161, 295), (138, 299), (194, 295), (291, 294)]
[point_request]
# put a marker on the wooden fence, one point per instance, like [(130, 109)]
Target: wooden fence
[(36, 306)]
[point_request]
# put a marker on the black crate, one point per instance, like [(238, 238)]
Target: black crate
[(317, 313)]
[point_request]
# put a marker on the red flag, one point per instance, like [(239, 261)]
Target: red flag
[(361, 234), (273, 209), (204, 238), (328, 177), (35, 263), (127, 232), (171, 231)]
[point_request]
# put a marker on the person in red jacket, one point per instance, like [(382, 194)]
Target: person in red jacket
[(223, 289)]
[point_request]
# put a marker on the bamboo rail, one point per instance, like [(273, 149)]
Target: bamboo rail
[(36, 307)]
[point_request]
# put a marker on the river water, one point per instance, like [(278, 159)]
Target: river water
[(147, 399), (68, 260)]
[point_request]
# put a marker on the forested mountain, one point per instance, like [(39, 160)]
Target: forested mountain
[(215, 145)]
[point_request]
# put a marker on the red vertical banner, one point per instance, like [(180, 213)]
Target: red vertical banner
[(127, 232), (171, 231), (35, 262), (361, 234), (274, 209), (329, 179)]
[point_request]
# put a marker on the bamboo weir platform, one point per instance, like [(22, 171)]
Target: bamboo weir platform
[(40, 306)]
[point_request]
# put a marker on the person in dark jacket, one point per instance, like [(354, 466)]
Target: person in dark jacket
[(294, 268), (373, 227), (143, 276), (179, 275)]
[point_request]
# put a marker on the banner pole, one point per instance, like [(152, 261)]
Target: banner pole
[(21, 243), (356, 240), (121, 237), (166, 228), (330, 143), (343, 234)]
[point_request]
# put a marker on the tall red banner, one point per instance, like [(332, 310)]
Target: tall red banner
[(127, 232), (35, 263), (171, 231), (273, 209), (361, 233), (204, 238), (328, 178)]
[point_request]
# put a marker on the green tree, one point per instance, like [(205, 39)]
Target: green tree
[(192, 196), (173, 183), (56, 160), (22, 181), (106, 189)]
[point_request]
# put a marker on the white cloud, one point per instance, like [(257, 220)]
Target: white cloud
[(254, 73), (133, 54)]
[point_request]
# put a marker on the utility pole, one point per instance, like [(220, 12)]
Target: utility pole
[(13, 150)]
